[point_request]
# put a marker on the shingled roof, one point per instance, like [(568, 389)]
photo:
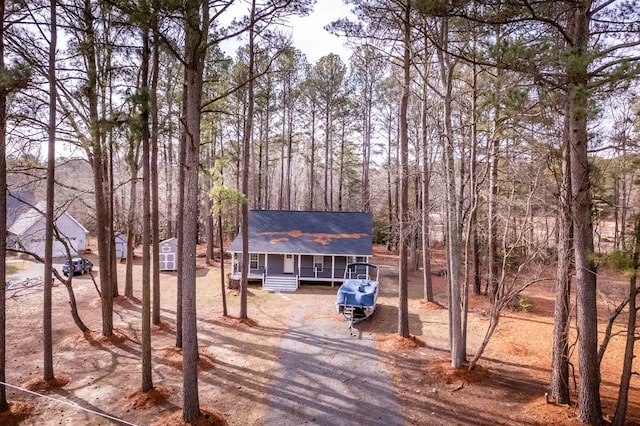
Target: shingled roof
[(308, 232)]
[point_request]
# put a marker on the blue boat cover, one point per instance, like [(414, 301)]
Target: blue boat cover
[(358, 293)]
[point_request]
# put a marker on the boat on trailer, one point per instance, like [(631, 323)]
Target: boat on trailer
[(357, 296)]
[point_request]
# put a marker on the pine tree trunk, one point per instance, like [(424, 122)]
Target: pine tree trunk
[(147, 381), (245, 168), (171, 232), (586, 320), (492, 252), (312, 153), (627, 366), (366, 149), (453, 237), (473, 219), (112, 241), (289, 155), (403, 307), (561, 316), (209, 224), (97, 163), (425, 178), (155, 195), (260, 169), (341, 166), (327, 165), (182, 156), (3, 221), (267, 189), (131, 217), (222, 277), (196, 28), (47, 338), (285, 105)]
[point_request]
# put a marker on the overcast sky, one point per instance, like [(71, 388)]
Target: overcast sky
[(310, 37), (308, 32)]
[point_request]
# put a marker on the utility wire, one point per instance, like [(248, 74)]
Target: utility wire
[(106, 416)]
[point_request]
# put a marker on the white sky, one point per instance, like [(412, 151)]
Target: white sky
[(308, 32), (310, 36)]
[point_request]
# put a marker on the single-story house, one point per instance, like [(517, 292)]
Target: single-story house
[(28, 233), (287, 247), (168, 254)]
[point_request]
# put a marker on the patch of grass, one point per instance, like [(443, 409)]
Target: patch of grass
[(525, 303), (13, 267)]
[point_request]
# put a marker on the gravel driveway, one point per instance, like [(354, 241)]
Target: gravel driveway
[(327, 376)]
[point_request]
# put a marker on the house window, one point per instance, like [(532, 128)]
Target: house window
[(253, 261), (318, 263)]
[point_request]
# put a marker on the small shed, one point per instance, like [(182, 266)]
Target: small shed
[(168, 254), (120, 242)]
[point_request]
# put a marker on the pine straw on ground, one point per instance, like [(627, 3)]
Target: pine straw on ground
[(17, 413), (172, 357), (207, 417), (39, 384), (397, 342), (117, 338), (138, 399), (442, 372), (431, 305), (96, 339), (163, 327), (235, 321)]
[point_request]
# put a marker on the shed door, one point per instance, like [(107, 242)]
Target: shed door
[(170, 261), (288, 264)]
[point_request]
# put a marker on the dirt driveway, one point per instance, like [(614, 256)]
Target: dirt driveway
[(327, 376)]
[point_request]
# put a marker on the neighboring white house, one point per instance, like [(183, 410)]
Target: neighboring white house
[(168, 254), (28, 233)]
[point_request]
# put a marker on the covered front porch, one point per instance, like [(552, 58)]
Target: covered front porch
[(272, 269)]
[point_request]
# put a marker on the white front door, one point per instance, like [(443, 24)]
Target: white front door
[(288, 264)]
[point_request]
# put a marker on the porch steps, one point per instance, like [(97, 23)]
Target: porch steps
[(281, 283)]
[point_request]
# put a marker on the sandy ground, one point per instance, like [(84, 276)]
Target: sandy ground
[(294, 362)]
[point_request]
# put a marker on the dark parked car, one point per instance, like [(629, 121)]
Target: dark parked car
[(80, 266)]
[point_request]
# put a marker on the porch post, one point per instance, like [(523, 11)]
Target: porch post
[(266, 263), (233, 264), (333, 270)]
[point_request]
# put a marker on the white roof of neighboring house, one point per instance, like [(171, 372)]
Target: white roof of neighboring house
[(17, 203), (25, 221), (29, 218)]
